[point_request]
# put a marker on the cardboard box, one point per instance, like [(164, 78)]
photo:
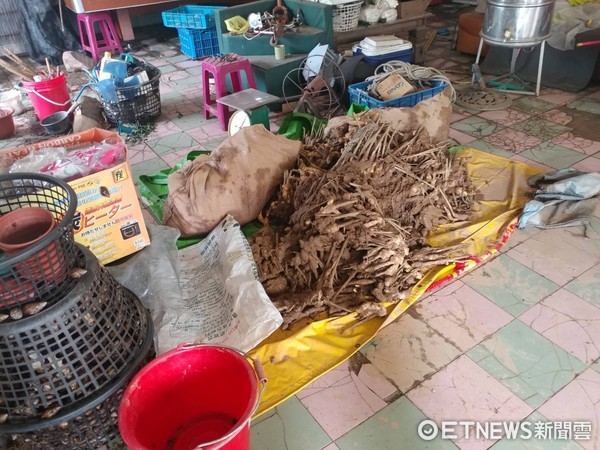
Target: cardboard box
[(394, 86), (412, 8), (109, 218)]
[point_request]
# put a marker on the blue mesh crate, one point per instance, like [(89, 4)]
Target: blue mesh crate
[(197, 17), (198, 43), (359, 94)]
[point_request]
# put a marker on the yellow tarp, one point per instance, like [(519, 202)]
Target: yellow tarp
[(295, 357)]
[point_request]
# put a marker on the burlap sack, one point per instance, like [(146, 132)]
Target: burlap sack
[(237, 178), (432, 114)]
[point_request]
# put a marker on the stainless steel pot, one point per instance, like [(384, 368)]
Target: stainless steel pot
[(517, 23)]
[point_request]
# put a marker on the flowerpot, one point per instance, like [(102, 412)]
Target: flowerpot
[(7, 125), (21, 229)]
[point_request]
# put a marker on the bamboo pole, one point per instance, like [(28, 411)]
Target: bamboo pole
[(15, 71)]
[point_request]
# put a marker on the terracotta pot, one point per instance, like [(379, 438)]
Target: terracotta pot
[(7, 125), (24, 227)]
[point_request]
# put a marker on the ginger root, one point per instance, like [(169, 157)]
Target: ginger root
[(352, 220)]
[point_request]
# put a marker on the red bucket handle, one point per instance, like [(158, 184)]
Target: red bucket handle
[(32, 91), (52, 102)]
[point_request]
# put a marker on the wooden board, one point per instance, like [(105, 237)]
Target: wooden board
[(123, 7), (81, 6)]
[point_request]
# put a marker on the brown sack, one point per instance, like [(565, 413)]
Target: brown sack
[(432, 114), (237, 178)]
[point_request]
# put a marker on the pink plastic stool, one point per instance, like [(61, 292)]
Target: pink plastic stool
[(110, 41), (219, 67)]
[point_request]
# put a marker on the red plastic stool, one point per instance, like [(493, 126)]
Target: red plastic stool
[(219, 67), (110, 41)]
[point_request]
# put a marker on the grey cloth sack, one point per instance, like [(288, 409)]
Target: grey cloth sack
[(564, 198)]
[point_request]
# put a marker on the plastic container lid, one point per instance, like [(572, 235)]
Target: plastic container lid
[(374, 47), (382, 41), (386, 52)]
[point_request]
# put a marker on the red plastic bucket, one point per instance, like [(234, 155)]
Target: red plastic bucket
[(48, 96), (193, 397)]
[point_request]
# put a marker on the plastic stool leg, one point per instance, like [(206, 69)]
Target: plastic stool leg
[(250, 77), (206, 93), (82, 36), (105, 44), (221, 91), (91, 33), (236, 81), (223, 114), (114, 36)]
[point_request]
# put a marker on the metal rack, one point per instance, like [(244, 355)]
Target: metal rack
[(517, 24), (503, 82)]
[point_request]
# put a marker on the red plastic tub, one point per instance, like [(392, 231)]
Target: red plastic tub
[(48, 96), (193, 397)]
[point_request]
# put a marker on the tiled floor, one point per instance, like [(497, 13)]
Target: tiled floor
[(517, 339)]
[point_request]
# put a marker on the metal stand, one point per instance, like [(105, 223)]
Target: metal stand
[(505, 82)]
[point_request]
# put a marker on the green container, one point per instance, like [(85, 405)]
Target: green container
[(355, 108), (318, 28)]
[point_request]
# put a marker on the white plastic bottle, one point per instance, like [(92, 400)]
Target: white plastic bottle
[(103, 75)]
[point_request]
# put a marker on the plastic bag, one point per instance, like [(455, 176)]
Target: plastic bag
[(34, 161), (153, 275), (386, 4), (564, 198), (223, 300), (93, 159), (369, 14), (389, 15), (568, 21), (206, 293)]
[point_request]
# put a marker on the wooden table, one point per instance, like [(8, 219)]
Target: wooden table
[(122, 8), (416, 27)]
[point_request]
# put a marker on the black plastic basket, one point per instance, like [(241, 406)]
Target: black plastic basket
[(70, 350), (87, 426), (135, 104), (41, 271)]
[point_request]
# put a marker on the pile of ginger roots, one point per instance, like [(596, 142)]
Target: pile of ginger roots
[(347, 229)]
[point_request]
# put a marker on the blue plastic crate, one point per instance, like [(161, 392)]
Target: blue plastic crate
[(190, 16), (375, 61), (358, 94), (198, 43)]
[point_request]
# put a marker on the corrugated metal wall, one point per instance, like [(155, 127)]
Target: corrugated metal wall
[(10, 27)]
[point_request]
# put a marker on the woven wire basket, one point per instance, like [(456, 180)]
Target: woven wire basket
[(39, 272), (135, 104), (70, 350), (345, 17), (90, 425)]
